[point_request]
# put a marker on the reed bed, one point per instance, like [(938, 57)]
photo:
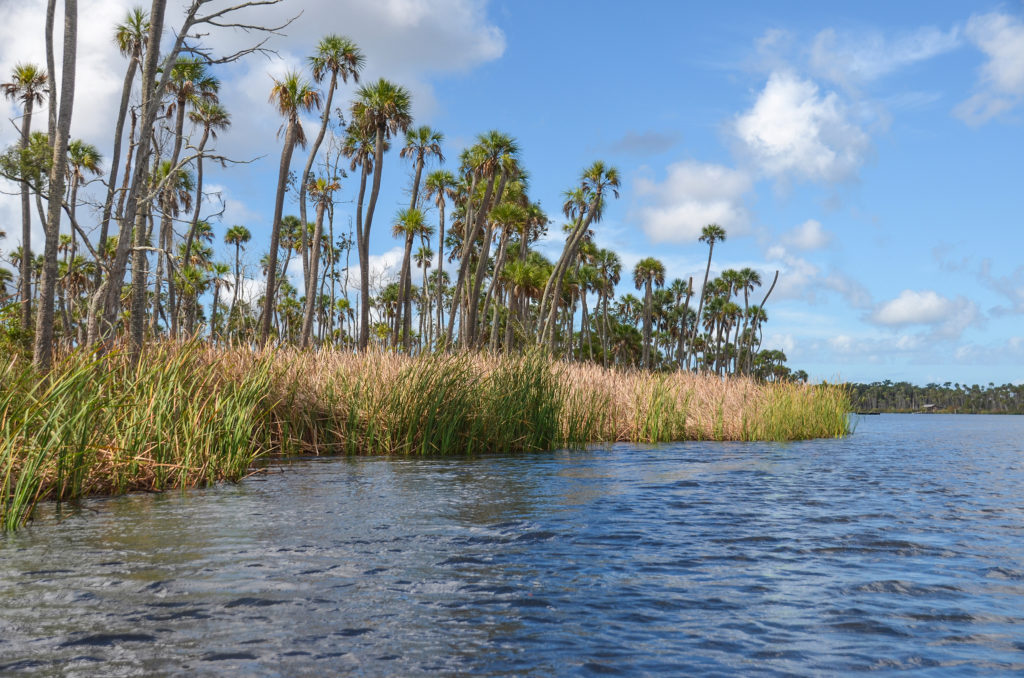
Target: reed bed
[(189, 415)]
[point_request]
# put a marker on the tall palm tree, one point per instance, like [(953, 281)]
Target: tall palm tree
[(421, 143), (440, 186), (383, 109), (710, 234), (423, 258), (27, 86), (212, 118), (609, 269), (220, 272), (291, 96), (496, 161), (585, 206), (83, 159), (130, 38), (408, 224), (237, 235), (321, 189), (647, 274), (189, 86), (338, 57)]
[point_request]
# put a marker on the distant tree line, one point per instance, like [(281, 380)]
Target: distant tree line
[(887, 396)]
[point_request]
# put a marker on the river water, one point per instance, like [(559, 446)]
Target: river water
[(899, 548)]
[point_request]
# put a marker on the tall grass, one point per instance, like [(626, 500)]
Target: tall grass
[(190, 415)]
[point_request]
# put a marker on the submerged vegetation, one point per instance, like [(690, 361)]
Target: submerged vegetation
[(193, 415)]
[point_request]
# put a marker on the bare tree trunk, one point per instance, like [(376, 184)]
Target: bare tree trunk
[(364, 238), (43, 353)]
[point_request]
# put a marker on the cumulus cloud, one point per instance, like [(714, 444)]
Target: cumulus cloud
[(1001, 83), (850, 58), (947, 317), (692, 196), (795, 131), (809, 235), (801, 279)]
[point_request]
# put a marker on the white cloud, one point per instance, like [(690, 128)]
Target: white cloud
[(793, 130), (808, 236), (692, 196), (801, 279), (1001, 87), (947, 317), (851, 58)]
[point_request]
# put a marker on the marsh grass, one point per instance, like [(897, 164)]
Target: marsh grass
[(189, 415)]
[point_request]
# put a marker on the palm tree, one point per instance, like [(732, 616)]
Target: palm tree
[(424, 257), (585, 206), (213, 118), (440, 186), (648, 273), (408, 224), (321, 189), (609, 269), (291, 96), (189, 85), (420, 144), (82, 158), (219, 271), (27, 86), (383, 109), (710, 234), (341, 58), (130, 38), (237, 235)]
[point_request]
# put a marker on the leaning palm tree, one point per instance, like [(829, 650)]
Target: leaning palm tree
[(710, 234), (27, 86), (341, 58), (585, 206), (237, 236), (647, 274), (291, 96), (382, 109), (321, 189)]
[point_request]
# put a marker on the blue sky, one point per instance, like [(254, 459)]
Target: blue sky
[(869, 152)]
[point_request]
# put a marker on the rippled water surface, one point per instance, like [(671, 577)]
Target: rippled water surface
[(900, 548)]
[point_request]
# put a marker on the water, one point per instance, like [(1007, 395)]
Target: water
[(900, 548)]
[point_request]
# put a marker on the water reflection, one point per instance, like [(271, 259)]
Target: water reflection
[(900, 548)]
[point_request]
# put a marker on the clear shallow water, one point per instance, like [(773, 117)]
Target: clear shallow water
[(900, 548)]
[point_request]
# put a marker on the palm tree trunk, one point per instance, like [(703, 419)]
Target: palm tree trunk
[(440, 265), (364, 237), (313, 150), (314, 273), (25, 282), (115, 155), (275, 232), (406, 285)]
